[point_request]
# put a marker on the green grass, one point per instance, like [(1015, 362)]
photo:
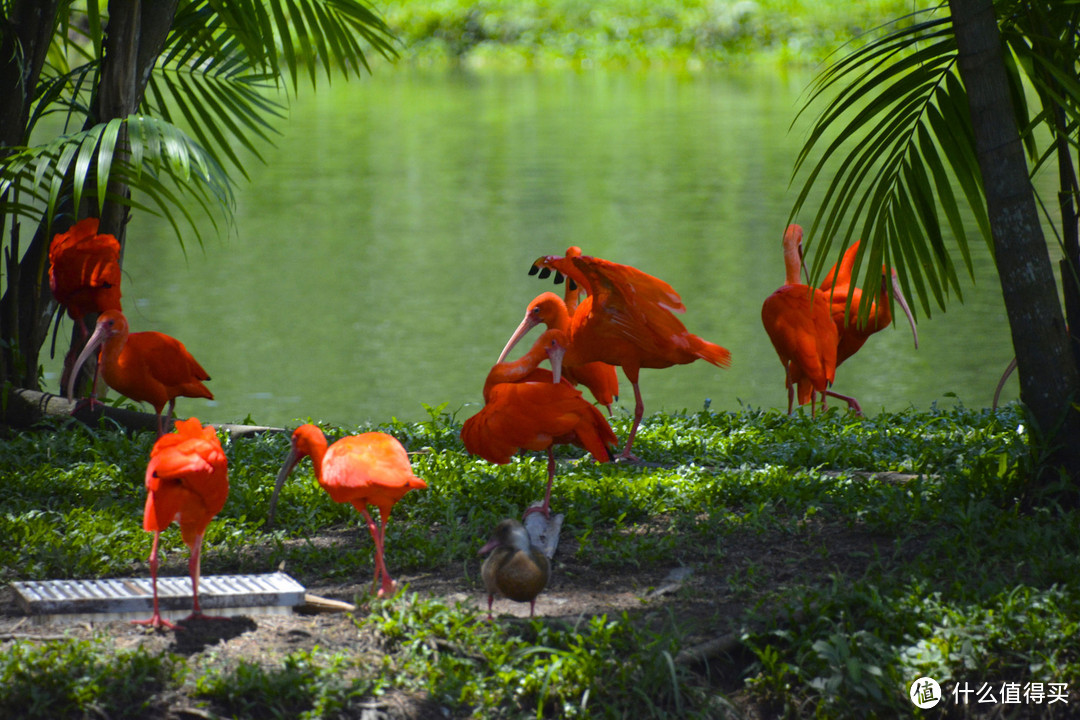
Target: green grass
[(685, 33), (947, 568)]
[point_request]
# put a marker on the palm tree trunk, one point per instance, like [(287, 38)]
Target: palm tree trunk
[(1049, 381)]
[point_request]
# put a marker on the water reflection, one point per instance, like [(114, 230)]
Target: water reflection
[(380, 256)]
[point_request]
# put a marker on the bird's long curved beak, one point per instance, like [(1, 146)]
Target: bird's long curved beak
[(899, 295), (526, 325), (555, 355), (802, 264), (101, 334), (290, 462)]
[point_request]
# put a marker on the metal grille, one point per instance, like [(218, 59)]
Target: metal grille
[(119, 598)]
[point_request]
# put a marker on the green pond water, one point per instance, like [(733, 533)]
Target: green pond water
[(379, 258)]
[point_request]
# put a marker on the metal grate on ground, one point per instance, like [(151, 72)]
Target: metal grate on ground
[(133, 598)]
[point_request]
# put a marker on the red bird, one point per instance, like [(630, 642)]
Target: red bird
[(529, 408), (853, 334), (367, 469), (551, 310), (84, 275), (144, 366), (572, 294), (799, 324), (187, 481), (84, 270), (626, 319)]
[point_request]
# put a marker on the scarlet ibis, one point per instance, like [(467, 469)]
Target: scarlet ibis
[(84, 270), (367, 469), (551, 310), (627, 319), (799, 324), (144, 366), (187, 481), (528, 408), (853, 333), (84, 275), (515, 568)]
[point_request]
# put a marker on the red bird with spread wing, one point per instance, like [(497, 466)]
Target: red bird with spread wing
[(144, 366), (529, 408), (627, 319), (187, 481), (367, 469), (799, 324)]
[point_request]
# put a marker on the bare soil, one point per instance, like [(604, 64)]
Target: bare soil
[(708, 596)]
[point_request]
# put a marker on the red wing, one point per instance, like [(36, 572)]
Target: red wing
[(801, 333), (612, 283), (169, 361), (526, 416), (369, 466), (839, 278), (187, 475)]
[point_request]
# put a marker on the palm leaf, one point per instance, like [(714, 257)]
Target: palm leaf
[(890, 142), (83, 163)]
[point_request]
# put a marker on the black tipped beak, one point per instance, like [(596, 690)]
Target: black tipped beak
[(559, 278), (545, 273), (533, 269)]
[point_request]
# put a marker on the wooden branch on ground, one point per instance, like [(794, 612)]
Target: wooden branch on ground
[(23, 408)]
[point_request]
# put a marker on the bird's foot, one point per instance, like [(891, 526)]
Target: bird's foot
[(627, 457), (156, 621), (86, 403), (388, 589), (543, 508)]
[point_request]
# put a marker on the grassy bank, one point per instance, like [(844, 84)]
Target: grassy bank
[(832, 561), (693, 33)]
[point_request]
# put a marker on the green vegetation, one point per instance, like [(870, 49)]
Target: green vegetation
[(845, 556), (633, 32)]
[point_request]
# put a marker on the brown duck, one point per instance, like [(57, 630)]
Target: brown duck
[(515, 567)]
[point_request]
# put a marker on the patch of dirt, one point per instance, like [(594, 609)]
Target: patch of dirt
[(707, 596)]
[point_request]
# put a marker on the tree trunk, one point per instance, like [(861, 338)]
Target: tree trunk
[(1049, 382), (134, 38), (25, 35)]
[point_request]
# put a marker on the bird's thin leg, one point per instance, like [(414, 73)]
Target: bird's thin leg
[(1001, 383), (639, 411), (168, 419), (194, 569), (155, 620), (380, 564), (545, 507), (491, 599), (384, 519), (853, 404)]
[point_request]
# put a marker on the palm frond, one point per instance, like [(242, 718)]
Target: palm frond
[(155, 158), (889, 145), (279, 36)]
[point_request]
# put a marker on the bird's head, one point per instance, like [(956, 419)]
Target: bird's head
[(545, 309), (554, 344), (306, 440), (110, 324), (508, 533)]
